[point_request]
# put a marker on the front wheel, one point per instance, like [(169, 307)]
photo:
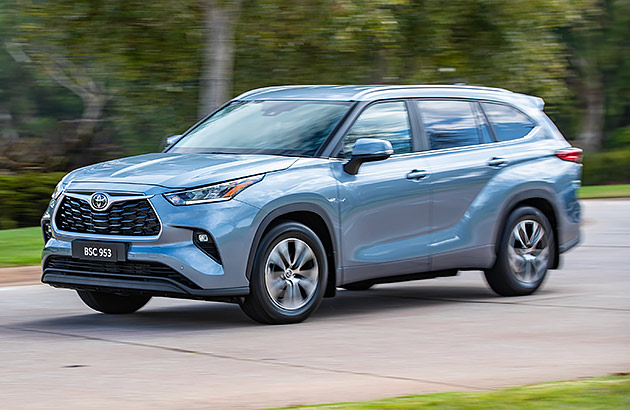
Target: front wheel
[(112, 303), (289, 276), (524, 253)]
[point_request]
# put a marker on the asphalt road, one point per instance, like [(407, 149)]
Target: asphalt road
[(449, 334)]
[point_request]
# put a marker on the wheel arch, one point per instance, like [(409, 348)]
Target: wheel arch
[(540, 199), (312, 216)]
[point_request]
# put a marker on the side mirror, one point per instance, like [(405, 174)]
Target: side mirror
[(367, 150), (170, 141)]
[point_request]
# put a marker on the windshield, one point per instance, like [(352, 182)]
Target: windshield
[(265, 127)]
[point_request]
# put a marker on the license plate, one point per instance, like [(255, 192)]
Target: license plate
[(99, 251)]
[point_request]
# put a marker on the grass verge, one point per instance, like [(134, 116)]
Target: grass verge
[(605, 191), (598, 393), (21, 247)]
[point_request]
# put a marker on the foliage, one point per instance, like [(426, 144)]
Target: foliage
[(140, 62), (619, 138), (25, 197), (21, 247), (491, 42), (142, 57), (608, 167)]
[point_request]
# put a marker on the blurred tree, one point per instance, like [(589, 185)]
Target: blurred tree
[(144, 70), (600, 58), (512, 44), (128, 59), (215, 84)]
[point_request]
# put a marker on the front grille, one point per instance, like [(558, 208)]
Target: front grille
[(129, 218), (137, 271)]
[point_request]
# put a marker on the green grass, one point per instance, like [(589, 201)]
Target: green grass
[(605, 191), (600, 393), (21, 247)]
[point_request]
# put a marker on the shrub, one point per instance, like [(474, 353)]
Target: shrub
[(608, 167), (24, 198)]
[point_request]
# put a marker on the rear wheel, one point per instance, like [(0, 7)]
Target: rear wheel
[(525, 252), (112, 303), (289, 276)]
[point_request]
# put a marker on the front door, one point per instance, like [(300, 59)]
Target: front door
[(384, 209)]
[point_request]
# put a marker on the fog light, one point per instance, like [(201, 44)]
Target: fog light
[(46, 231), (204, 241)]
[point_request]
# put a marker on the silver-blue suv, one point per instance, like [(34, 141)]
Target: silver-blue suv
[(285, 194)]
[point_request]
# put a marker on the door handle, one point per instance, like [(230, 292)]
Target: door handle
[(417, 174), (497, 162)]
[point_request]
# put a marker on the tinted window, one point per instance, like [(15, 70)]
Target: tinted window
[(268, 127), (508, 123), (449, 124), (386, 121), (484, 127)]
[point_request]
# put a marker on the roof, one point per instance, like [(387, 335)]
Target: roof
[(376, 92)]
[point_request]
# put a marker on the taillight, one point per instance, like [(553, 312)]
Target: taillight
[(570, 154)]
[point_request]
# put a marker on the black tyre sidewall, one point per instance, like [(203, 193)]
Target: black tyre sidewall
[(501, 277), (258, 304), (112, 303)]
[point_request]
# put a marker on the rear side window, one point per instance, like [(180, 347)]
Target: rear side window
[(508, 123), (449, 124), (387, 121)]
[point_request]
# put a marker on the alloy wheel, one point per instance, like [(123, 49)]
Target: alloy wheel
[(528, 251), (291, 274)]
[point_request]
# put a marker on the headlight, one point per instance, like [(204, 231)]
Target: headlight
[(61, 186), (212, 193)]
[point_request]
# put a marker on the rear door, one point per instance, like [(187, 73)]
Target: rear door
[(384, 209), (462, 157)]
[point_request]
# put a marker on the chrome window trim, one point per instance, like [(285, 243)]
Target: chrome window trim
[(111, 238)]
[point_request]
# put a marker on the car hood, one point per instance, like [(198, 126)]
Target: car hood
[(171, 170)]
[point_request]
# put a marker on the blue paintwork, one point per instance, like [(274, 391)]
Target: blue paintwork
[(381, 221), (173, 170)]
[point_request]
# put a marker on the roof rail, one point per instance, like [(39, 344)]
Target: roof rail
[(259, 90), (403, 87)]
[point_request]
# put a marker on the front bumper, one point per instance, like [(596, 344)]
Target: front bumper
[(169, 264)]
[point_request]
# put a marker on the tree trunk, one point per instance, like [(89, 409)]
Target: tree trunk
[(591, 92), (216, 76), (592, 127), (93, 106)]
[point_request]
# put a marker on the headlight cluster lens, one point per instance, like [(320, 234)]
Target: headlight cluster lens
[(58, 189), (212, 193)]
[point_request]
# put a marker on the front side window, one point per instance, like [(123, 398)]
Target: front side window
[(265, 127), (508, 123), (449, 124), (386, 121)]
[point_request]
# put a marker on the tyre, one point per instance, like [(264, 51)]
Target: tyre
[(289, 275), (358, 286), (112, 303), (524, 253)]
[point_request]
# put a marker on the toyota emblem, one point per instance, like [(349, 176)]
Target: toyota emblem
[(99, 201)]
